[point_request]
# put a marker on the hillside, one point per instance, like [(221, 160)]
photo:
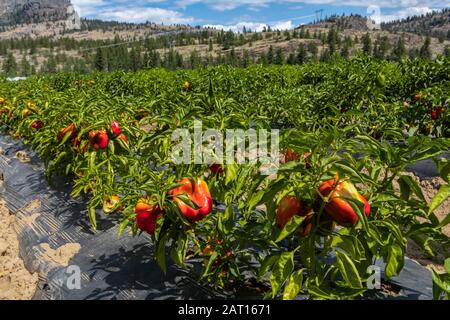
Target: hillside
[(50, 46), (31, 11), (353, 22), (435, 24)]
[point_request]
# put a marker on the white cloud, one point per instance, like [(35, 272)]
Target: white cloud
[(87, 7), (156, 15), (401, 14), (223, 5), (253, 26)]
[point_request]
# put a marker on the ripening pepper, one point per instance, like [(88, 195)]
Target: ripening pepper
[(216, 168), (147, 215), (436, 112), (290, 155), (37, 125), (290, 206), (70, 129), (123, 138), (80, 146), (338, 207), (418, 96), (186, 85), (111, 204), (198, 193), (99, 139), (115, 128)]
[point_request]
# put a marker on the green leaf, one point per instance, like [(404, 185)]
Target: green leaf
[(272, 190), (231, 173), (179, 250), (66, 137), (444, 170), (413, 186), (255, 199), (281, 271), (441, 283), (437, 290), (290, 227), (92, 217), (394, 261), (294, 285), (122, 227), (210, 263), (185, 198), (318, 292), (405, 190), (445, 221), (350, 244), (447, 265), (161, 253), (345, 168), (348, 270), (266, 265), (442, 195)]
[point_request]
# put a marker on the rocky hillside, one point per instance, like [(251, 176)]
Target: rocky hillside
[(436, 23), (354, 22), (32, 11)]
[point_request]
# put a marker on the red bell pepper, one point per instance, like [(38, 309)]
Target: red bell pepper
[(99, 139), (37, 125), (290, 206), (67, 130), (115, 128), (198, 193), (338, 207), (147, 215), (216, 168)]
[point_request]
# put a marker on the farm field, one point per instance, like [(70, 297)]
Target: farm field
[(348, 133)]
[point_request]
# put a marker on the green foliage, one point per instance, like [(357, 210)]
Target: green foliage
[(359, 118)]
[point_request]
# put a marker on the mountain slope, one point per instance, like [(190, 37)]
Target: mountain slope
[(32, 11), (436, 23)]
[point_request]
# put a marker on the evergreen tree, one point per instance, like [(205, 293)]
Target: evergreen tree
[(332, 41), (313, 49), (345, 51), (101, 60), (279, 56), (399, 50), (425, 51), (50, 66), (245, 59), (367, 44), (270, 55), (325, 56), (10, 65), (291, 59), (447, 51), (210, 45), (25, 67), (302, 54)]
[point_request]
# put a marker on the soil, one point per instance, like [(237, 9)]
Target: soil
[(16, 283), (429, 188), (61, 255)]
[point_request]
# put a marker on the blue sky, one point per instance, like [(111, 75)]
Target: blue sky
[(254, 14)]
